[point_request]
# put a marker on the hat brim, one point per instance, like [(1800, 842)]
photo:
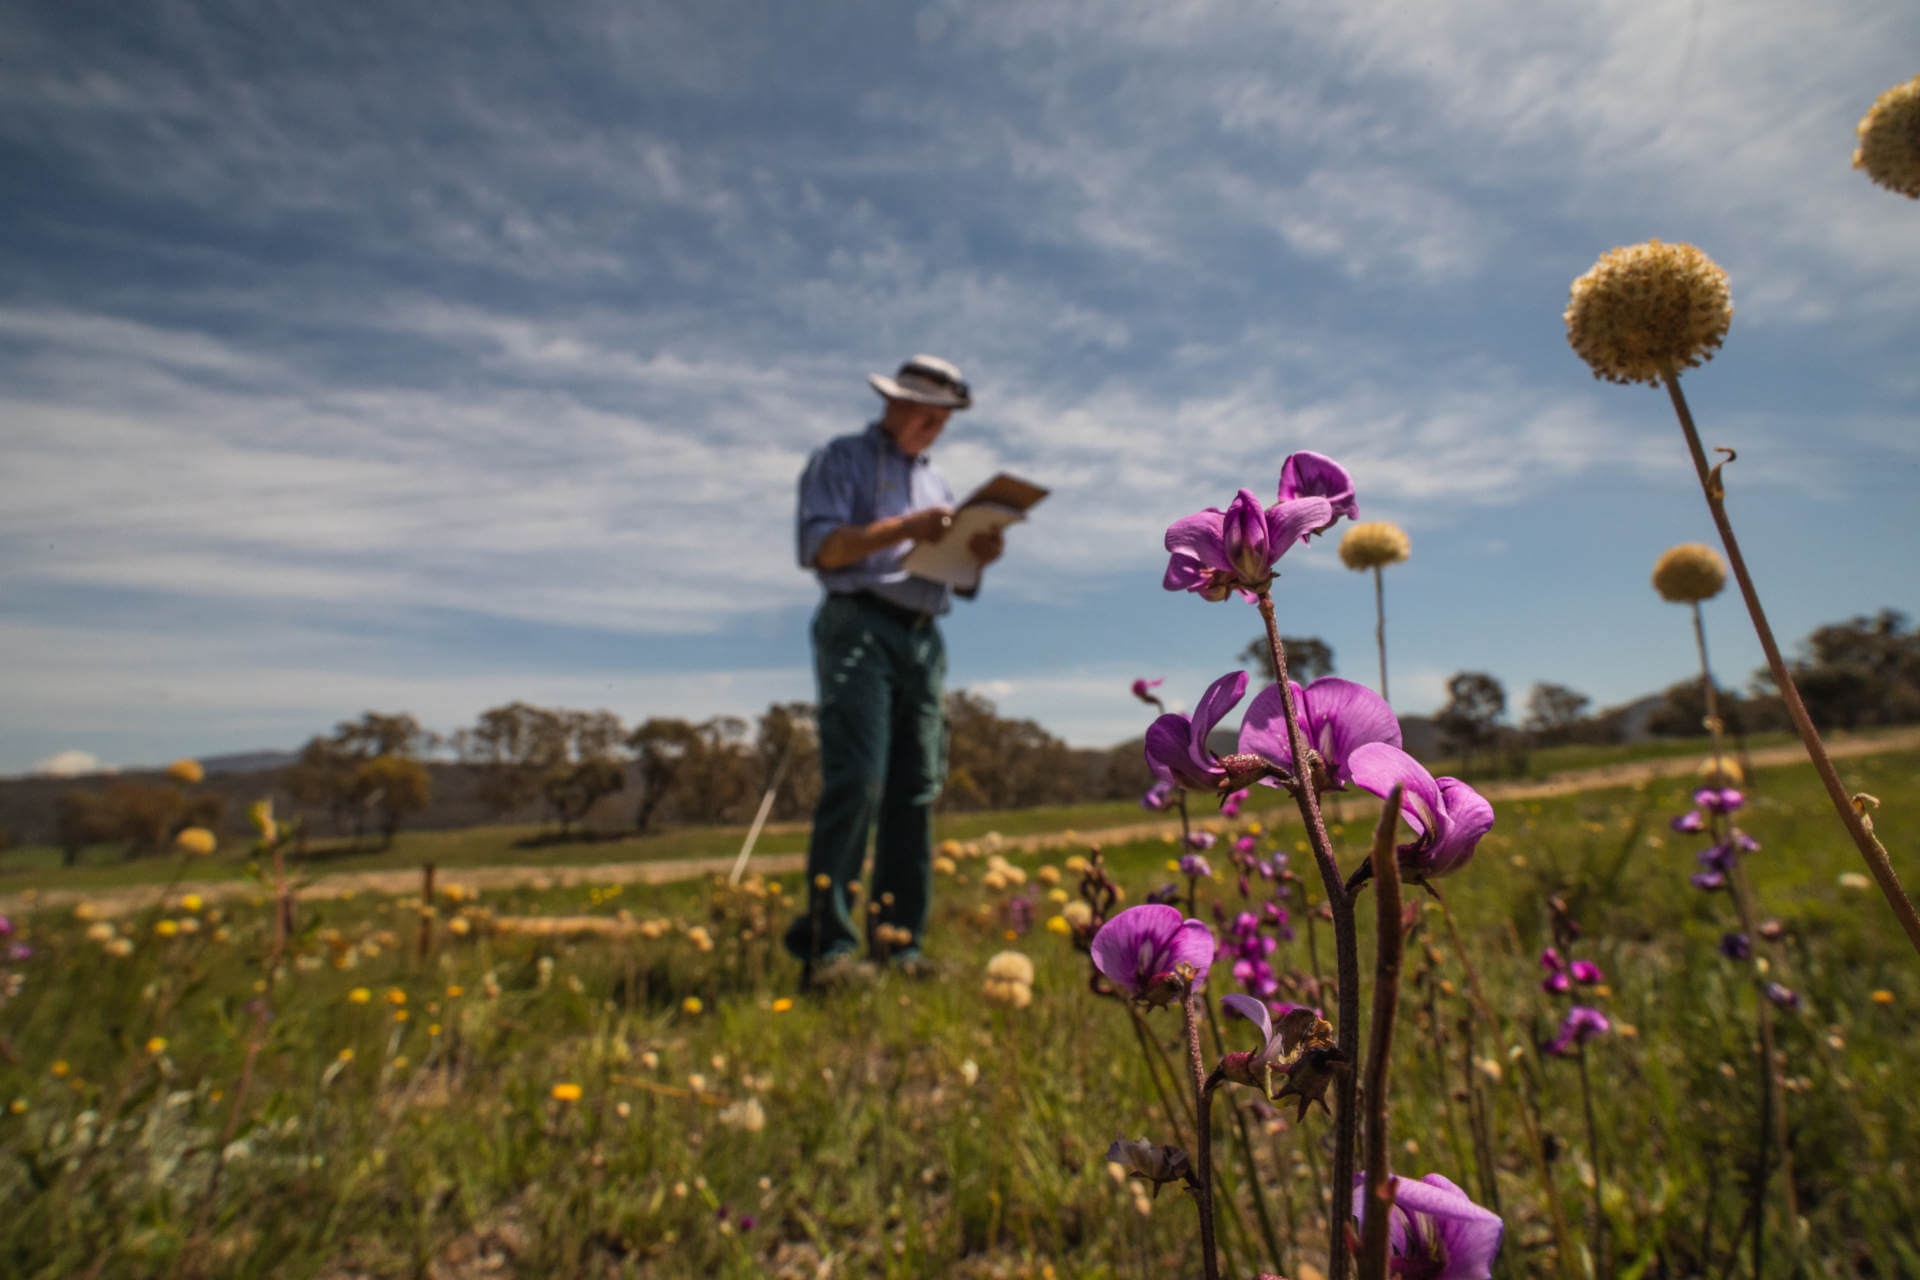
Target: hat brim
[(894, 391)]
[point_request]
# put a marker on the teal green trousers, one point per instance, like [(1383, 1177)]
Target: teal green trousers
[(882, 761)]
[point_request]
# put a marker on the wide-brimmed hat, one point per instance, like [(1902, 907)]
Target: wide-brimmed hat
[(925, 380)]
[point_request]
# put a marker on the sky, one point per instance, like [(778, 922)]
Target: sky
[(421, 358)]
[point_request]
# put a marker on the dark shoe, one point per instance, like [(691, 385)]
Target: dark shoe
[(843, 972), (913, 966)]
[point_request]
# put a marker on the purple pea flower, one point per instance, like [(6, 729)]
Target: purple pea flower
[(1581, 1024), (1245, 844), (1176, 745), (1718, 799), (1336, 717), (1314, 475), (1193, 865), (1143, 690), (1586, 972), (1230, 807), (1215, 553), (1736, 946), (1200, 840), (1785, 997), (1709, 881), (1256, 1012), (1158, 797), (1143, 949), (1436, 1232), (1447, 815), (1691, 820)]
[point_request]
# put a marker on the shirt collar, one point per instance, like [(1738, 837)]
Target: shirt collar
[(879, 433)]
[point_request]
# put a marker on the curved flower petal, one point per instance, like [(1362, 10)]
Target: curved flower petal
[(1340, 716), (1309, 474), (1191, 944), (1376, 767), (1243, 533), (1295, 518), (1184, 573), (1466, 816), (1254, 1011), (1200, 536), (1434, 1222), (1263, 730), (1220, 698), (1169, 752), (1132, 941)]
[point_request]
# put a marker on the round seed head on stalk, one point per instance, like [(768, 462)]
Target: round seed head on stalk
[(1648, 309), (1889, 148), (1689, 573), (1374, 544)]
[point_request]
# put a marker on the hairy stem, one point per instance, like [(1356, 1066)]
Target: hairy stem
[(1345, 945), (1203, 1087), (1150, 1049), (1386, 997), (1874, 853)]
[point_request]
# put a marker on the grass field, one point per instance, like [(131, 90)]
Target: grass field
[(659, 1104)]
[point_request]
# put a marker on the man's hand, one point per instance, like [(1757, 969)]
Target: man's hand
[(928, 525), (986, 547)]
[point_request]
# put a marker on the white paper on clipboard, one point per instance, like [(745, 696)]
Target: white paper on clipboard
[(949, 560)]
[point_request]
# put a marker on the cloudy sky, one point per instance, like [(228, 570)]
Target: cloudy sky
[(419, 358)]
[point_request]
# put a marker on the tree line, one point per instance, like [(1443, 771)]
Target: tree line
[(559, 767)]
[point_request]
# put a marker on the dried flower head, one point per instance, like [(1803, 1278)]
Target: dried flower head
[(1890, 140), (1373, 544), (1011, 966), (1689, 572), (195, 840), (187, 771), (1648, 310), (1721, 772)]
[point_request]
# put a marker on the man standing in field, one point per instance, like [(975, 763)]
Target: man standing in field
[(865, 500)]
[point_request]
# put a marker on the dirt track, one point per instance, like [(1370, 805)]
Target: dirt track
[(111, 902)]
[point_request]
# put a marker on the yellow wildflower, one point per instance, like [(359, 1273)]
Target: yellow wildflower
[(1883, 996), (396, 996), (359, 995), (166, 928), (157, 1045), (783, 1004), (192, 901), (187, 771), (566, 1092), (691, 1005), (197, 841)]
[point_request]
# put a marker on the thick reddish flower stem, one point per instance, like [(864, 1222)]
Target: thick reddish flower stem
[(1386, 997), (1871, 849), (1346, 955)]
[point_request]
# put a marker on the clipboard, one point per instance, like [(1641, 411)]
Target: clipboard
[(1001, 501)]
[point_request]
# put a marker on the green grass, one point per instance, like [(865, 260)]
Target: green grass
[(883, 1153)]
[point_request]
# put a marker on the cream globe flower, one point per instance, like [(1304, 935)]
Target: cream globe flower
[(1374, 544), (1647, 311), (1689, 573), (187, 771), (1889, 148)]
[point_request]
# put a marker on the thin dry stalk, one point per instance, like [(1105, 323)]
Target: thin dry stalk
[(1870, 848)]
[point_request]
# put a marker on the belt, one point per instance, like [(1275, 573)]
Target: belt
[(912, 619)]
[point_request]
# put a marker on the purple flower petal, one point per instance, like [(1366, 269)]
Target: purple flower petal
[(1436, 1230), (1294, 518), (1201, 538), (1254, 1011), (1467, 815), (1306, 474), (1377, 767), (1344, 716), (1220, 698), (1243, 533), (1149, 942)]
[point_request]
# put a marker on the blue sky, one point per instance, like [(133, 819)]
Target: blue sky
[(419, 358)]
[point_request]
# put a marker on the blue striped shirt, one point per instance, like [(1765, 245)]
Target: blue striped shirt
[(856, 480)]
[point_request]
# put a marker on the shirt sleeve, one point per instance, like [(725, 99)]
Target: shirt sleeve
[(826, 500)]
